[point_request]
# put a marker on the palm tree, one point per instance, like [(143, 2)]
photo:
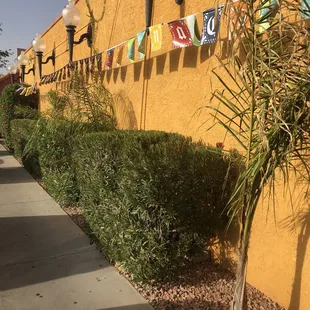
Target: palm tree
[(266, 92)]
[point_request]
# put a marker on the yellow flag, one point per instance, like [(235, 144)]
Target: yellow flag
[(156, 33), (119, 55)]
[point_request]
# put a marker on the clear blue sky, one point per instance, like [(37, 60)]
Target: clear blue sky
[(23, 19)]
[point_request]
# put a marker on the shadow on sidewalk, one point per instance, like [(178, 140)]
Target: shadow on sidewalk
[(14, 175), (36, 249), (166, 304)]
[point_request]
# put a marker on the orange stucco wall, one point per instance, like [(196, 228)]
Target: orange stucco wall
[(167, 91)]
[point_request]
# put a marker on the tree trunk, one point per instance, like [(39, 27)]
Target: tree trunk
[(239, 301)]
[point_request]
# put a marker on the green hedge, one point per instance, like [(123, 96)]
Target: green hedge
[(9, 99), (21, 132), (21, 112), (151, 199), (53, 140)]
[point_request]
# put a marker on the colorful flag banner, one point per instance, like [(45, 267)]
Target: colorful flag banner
[(305, 9), (41, 82), (60, 75), (55, 76), (119, 56), (193, 29), (131, 49), (211, 26), (81, 66), (75, 66), (141, 43), (92, 63), (69, 70), (99, 61), (181, 36), (268, 10), (86, 60), (156, 34), (109, 61), (64, 76)]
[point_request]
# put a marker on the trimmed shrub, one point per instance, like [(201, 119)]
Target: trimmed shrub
[(151, 199), (53, 140), (21, 132), (21, 112), (8, 100)]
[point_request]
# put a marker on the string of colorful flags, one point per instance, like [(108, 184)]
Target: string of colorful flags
[(184, 33), (27, 91)]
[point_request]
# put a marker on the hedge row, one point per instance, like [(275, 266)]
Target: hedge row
[(151, 199), (21, 132), (12, 106), (53, 140)]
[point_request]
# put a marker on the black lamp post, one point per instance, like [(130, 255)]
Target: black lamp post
[(71, 18), (12, 71), (148, 13), (39, 47), (71, 31), (23, 61)]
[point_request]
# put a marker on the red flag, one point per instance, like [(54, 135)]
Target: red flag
[(109, 61), (181, 36)]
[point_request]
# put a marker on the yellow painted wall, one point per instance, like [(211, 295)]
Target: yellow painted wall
[(167, 92)]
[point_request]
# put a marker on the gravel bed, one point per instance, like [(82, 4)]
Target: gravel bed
[(76, 214), (202, 286)]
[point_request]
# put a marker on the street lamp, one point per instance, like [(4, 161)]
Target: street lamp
[(12, 69), (39, 47), (71, 17), (23, 62)]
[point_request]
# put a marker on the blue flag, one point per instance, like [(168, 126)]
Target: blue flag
[(210, 26), (141, 43)]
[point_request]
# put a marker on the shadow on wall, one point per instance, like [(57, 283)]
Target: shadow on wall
[(292, 223), (225, 247), (125, 112)]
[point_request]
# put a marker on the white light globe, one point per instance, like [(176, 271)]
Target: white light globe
[(12, 69), (38, 44), (23, 59), (71, 15)]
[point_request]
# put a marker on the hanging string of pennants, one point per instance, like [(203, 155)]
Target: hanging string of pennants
[(184, 33), (27, 91)]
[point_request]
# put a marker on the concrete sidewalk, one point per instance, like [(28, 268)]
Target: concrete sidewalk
[(46, 261)]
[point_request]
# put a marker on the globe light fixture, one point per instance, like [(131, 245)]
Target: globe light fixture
[(12, 69), (23, 62), (71, 17), (39, 46)]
